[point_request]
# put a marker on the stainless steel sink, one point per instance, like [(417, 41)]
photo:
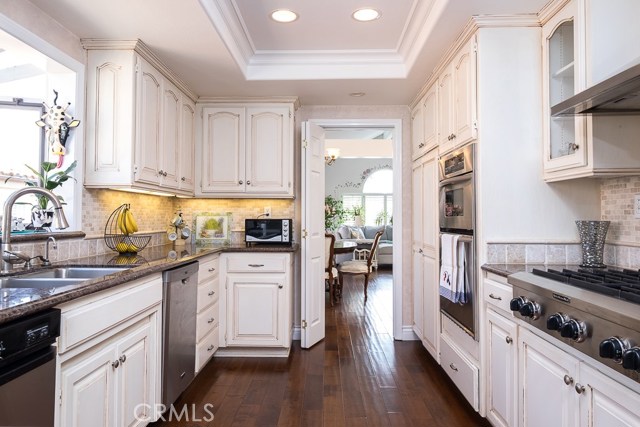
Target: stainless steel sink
[(38, 282), (75, 272)]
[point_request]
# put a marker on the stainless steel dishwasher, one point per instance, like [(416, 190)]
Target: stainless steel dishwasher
[(179, 330)]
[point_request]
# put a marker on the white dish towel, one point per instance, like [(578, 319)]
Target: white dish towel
[(452, 269)]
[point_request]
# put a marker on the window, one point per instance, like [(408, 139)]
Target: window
[(376, 198)]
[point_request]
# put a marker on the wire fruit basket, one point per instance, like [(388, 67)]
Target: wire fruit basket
[(119, 232)]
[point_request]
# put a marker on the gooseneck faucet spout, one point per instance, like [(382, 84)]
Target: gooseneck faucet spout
[(6, 219)]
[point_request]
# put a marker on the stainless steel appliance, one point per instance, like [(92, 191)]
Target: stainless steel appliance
[(595, 311), (457, 216), (179, 330), (27, 370), (259, 231)]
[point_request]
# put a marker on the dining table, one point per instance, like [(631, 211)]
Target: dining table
[(344, 247)]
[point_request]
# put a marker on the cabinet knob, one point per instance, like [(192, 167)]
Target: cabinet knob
[(183, 179), (211, 293), (210, 347), (240, 182), (211, 319), (492, 296), (420, 251), (509, 340), (573, 146), (160, 172), (579, 388), (115, 364), (123, 358), (280, 286), (248, 182), (165, 173), (568, 380)]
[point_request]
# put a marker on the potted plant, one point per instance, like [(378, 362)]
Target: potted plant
[(334, 213), (49, 178), (357, 212)]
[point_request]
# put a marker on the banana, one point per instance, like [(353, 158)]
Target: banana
[(121, 220), (130, 222)]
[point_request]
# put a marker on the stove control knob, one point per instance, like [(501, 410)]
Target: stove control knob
[(613, 348), (574, 330), (631, 359), (531, 310), (555, 321), (517, 303)]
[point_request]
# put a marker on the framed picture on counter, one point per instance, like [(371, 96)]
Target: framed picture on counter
[(212, 228)]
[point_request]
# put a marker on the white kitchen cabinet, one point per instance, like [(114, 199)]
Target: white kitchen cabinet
[(136, 122), (247, 151), (208, 312), (256, 307), (109, 356), (417, 131), (573, 53), (547, 377), (425, 251), (502, 370), (457, 103), (424, 124)]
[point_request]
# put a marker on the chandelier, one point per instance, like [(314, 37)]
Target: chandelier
[(331, 155)]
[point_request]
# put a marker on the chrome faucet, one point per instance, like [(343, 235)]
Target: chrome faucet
[(51, 239), (9, 257)]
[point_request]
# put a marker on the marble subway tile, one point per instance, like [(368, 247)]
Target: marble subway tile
[(496, 254), (556, 254), (609, 255), (535, 254), (574, 254), (622, 256), (634, 257), (516, 254)]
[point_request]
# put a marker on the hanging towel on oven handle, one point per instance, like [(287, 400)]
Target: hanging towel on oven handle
[(452, 270)]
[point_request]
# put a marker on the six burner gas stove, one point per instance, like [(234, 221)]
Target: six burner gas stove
[(596, 311)]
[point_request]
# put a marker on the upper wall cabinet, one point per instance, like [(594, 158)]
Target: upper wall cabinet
[(140, 125), (583, 146), (424, 123), (247, 151), (457, 103)]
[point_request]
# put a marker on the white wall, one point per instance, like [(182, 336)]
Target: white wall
[(345, 175)]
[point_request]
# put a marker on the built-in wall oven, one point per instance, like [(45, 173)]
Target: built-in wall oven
[(457, 217)]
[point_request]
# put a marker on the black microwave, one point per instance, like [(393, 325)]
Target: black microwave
[(268, 231)]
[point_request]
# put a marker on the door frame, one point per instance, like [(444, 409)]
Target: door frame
[(398, 214)]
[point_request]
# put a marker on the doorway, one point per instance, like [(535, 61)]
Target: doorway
[(394, 128)]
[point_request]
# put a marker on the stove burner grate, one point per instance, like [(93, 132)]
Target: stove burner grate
[(623, 284)]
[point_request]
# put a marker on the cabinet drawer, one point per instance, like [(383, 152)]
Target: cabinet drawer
[(88, 320), (252, 263), (206, 321), (207, 293), (497, 294), (463, 373), (208, 269), (206, 348)]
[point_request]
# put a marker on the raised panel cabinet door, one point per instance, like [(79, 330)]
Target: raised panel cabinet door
[(88, 390), (187, 145), (430, 118), (171, 144), (417, 132), (257, 311), (416, 201), (605, 402), (430, 226), (418, 290), (137, 373), (502, 378), (223, 149), (445, 110), (431, 305), (546, 381), (269, 151), (147, 163), (464, 93)]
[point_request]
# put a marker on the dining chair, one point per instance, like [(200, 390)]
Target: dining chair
[(358, 267), (330, 271), (363, 255)]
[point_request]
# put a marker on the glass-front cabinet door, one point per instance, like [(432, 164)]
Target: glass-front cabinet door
[(562, 77)]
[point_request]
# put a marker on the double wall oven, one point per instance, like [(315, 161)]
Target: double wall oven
[(457, 217)]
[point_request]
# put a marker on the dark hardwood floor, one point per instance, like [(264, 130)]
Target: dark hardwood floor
[(357, 376)]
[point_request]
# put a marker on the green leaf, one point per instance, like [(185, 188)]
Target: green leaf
[(48, 166)]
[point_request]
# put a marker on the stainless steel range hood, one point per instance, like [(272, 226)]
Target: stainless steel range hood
[(618, 95)]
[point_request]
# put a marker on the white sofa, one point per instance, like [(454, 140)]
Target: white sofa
[(363, 236)]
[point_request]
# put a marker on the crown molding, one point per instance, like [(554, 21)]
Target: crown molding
[(145, 52), (550, 9), (503, 21), (251, 100)]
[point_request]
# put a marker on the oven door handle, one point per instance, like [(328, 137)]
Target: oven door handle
[(456, 179), (461, 237)]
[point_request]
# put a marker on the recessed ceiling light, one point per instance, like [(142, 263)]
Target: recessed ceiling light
[(357, 94), (365, 15), (284, 15)]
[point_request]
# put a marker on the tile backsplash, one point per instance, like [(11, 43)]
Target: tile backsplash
[(617, 206)]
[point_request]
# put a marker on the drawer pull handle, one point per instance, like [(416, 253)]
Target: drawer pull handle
[(211, 293), (123, 358), (509, 340), (210, 347), (211, 319), (492, 296), (452, 366), (579, 388), (256, 265), (568, 380), (115, 364), (212, 269)]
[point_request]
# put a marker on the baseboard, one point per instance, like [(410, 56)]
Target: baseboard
[(252, 352), (408, 334)]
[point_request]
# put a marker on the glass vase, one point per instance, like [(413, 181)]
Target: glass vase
[(592, 237)]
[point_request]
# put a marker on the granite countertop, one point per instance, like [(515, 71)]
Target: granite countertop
[(507, 269), (15, 302)]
